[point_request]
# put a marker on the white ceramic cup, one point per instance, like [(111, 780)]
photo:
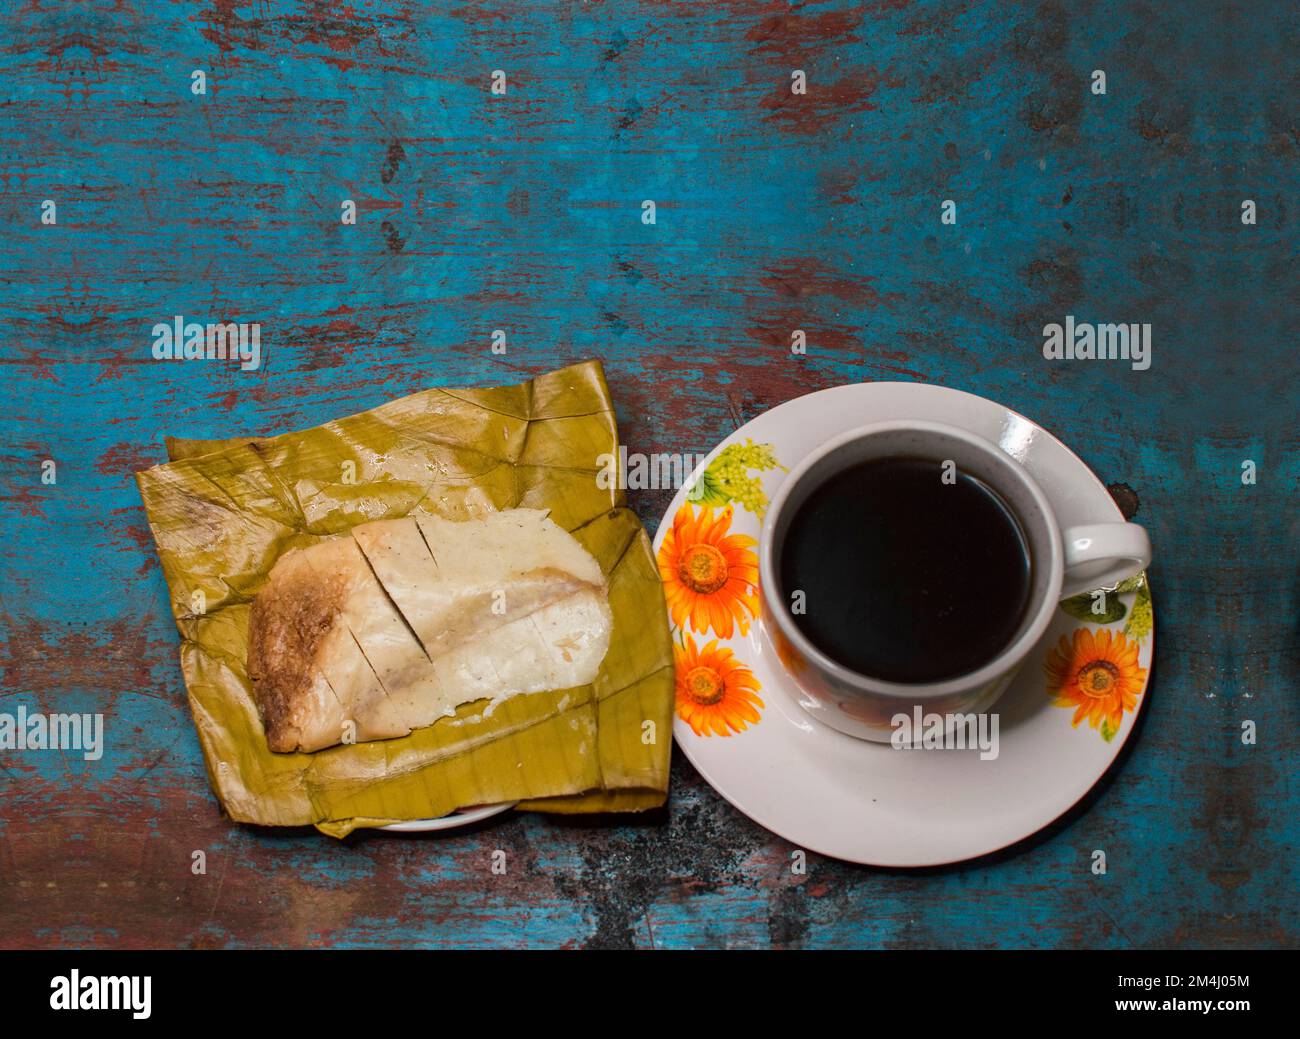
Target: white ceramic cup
[(1062, 563)]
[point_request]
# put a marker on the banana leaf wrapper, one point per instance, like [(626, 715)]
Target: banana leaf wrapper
[(223, 511)]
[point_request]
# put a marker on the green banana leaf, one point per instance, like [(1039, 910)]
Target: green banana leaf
[(223, 511)]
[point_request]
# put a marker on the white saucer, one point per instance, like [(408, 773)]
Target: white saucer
[(870, 803), (460, 817)]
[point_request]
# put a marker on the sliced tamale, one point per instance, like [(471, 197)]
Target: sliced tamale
[(452, 581), (401, 640), (224, 512)]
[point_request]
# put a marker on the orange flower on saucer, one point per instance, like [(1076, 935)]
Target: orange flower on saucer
[(716, 693), (1098, 675), (710, 577)]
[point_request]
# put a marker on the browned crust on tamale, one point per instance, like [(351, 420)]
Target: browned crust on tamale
[(290, 618)]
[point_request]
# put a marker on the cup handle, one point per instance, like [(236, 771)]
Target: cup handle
[(1100, 555)]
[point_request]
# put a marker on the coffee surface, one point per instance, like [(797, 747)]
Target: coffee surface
[(906, 578)]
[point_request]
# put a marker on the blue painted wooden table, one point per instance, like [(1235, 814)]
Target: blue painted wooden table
[(776, 208)]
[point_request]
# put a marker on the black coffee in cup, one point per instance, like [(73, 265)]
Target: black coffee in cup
[(909, 572)]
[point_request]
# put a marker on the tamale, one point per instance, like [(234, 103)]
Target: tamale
[(224, 512), (347, 645)]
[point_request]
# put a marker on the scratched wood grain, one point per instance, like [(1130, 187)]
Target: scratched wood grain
[(775, 211)]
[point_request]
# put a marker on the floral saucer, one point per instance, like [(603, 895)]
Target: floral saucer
[(1062, 722)]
